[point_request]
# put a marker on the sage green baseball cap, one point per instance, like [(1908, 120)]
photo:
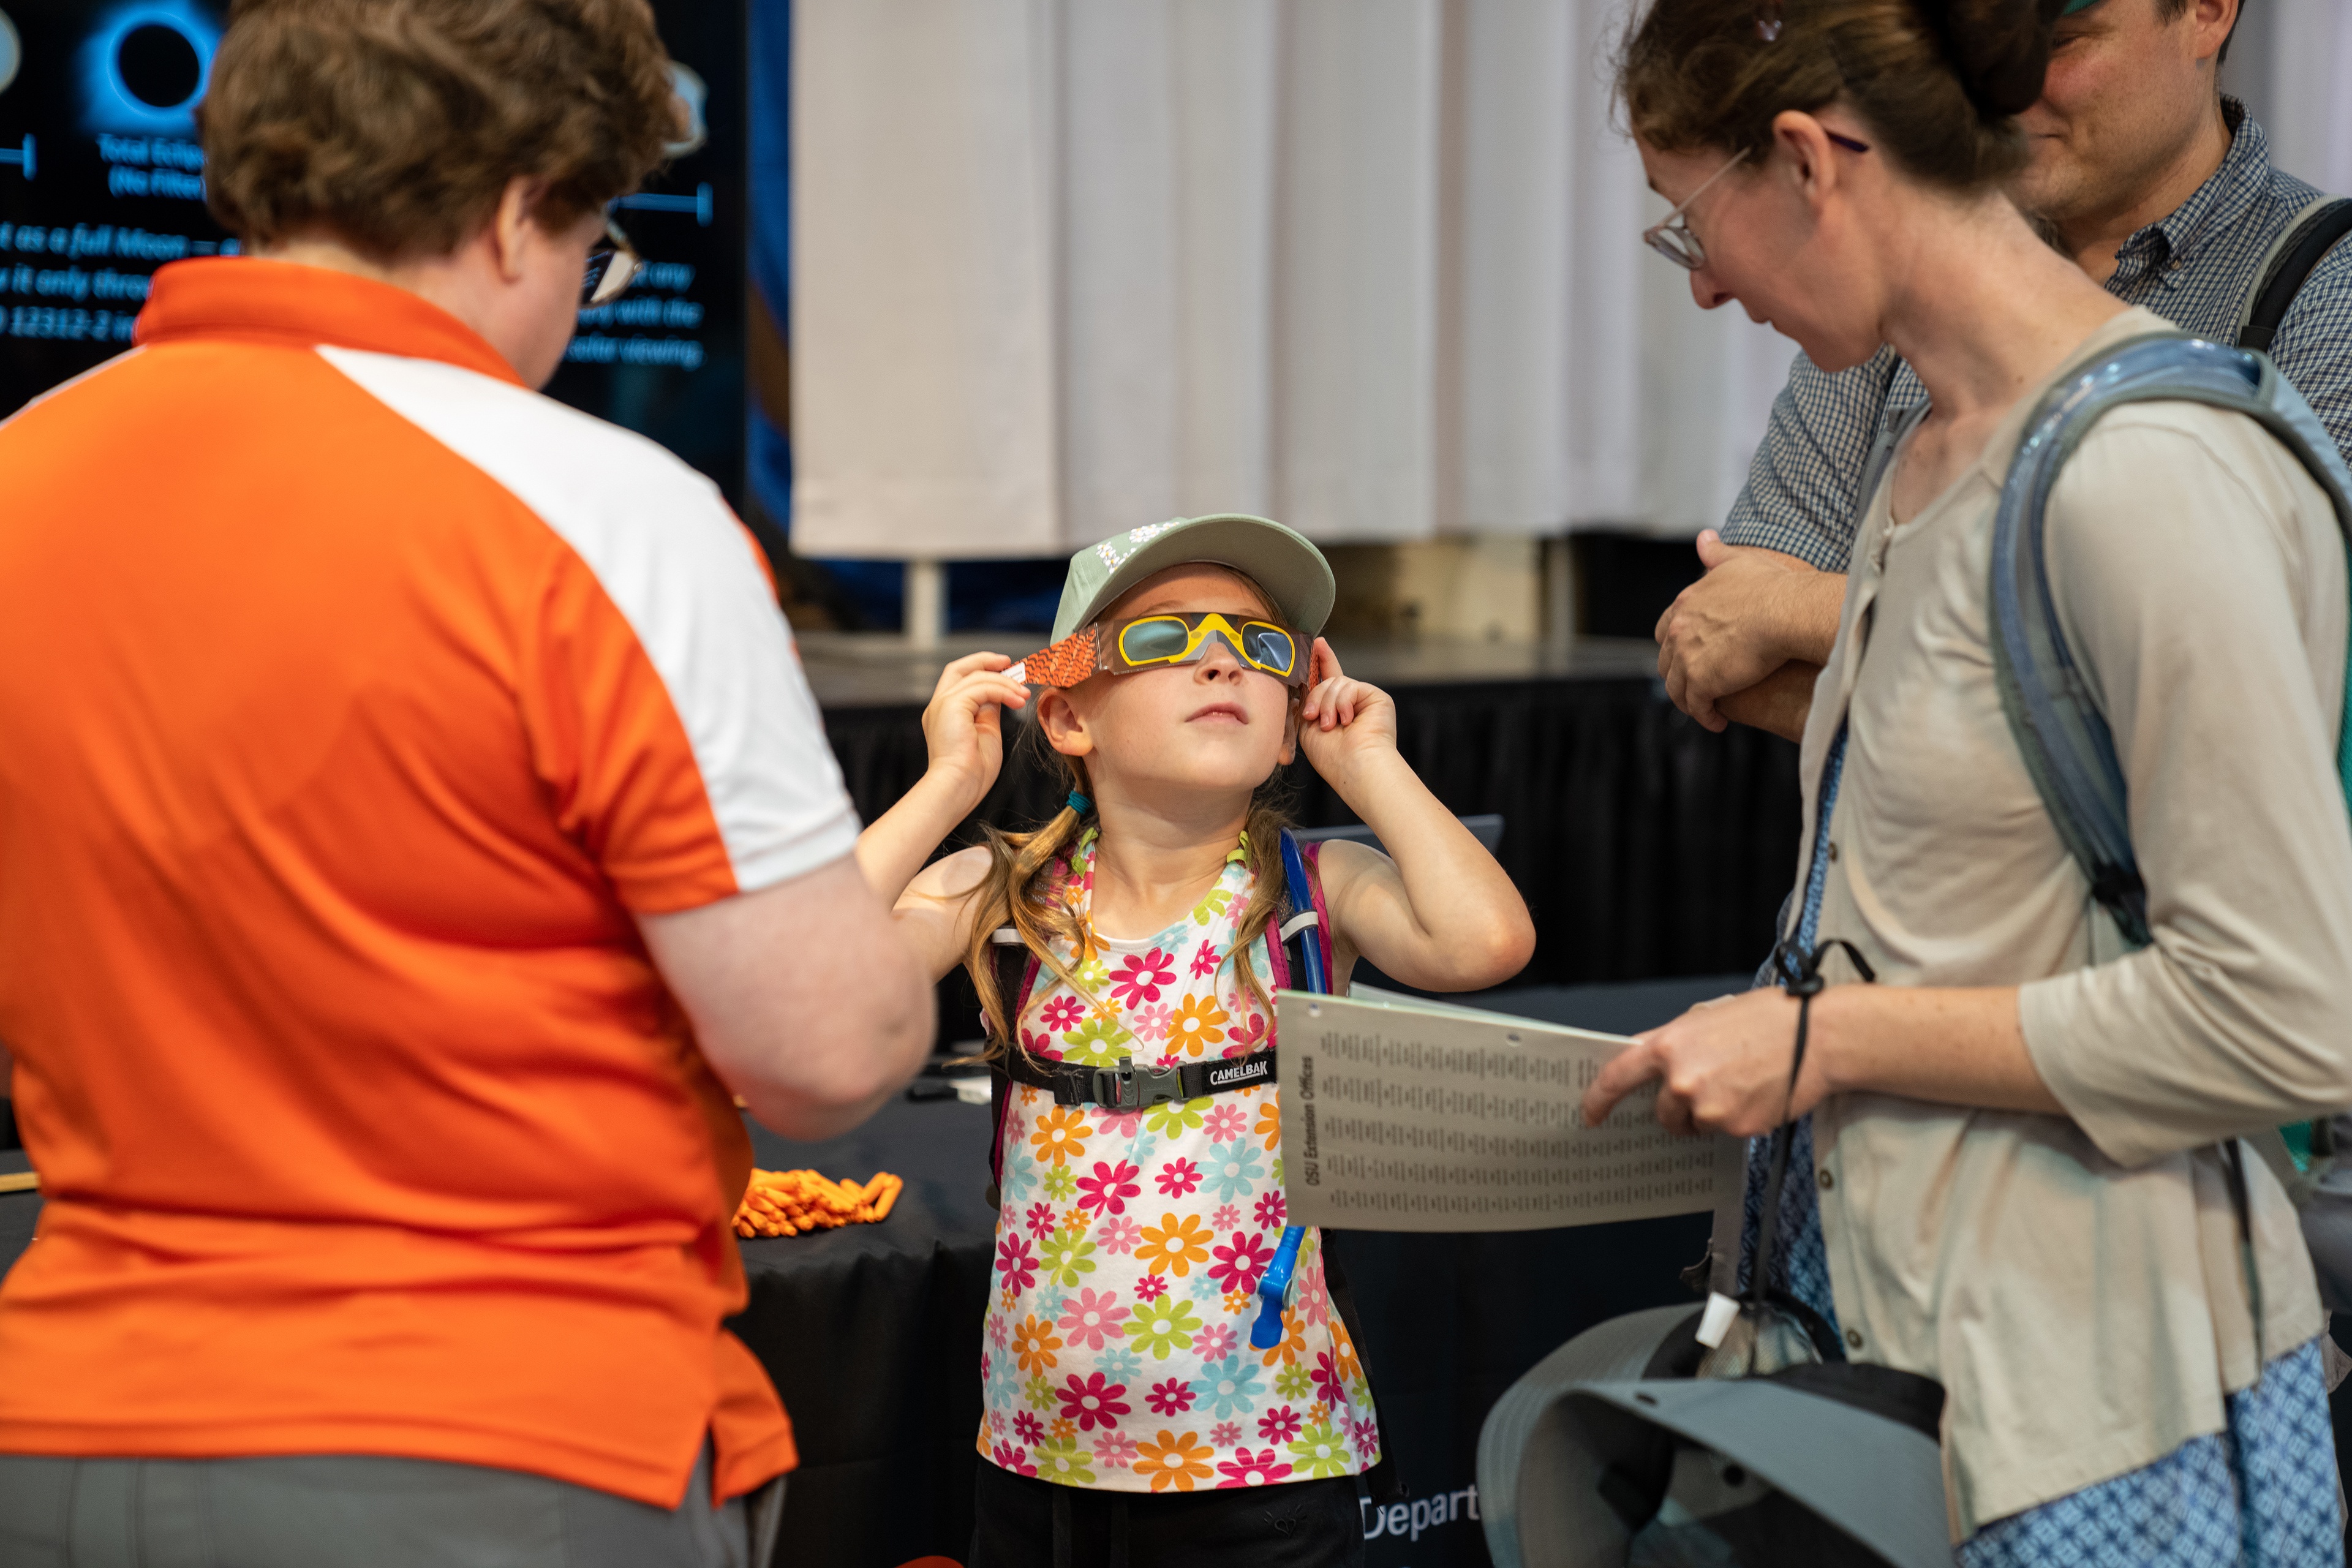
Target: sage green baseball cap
[(1279, 559)]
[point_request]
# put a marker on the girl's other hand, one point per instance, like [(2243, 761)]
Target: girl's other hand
[(1435, 911), (1342, 718), (963, 726)]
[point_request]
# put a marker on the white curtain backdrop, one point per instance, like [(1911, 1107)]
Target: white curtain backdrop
[(1371, 267), (2300, 85)]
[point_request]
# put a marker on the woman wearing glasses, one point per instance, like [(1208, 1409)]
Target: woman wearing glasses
[(2018, 1183), (416, 831)]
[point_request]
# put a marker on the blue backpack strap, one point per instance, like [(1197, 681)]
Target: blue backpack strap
[(1892, 430), (1305, 901), (1894, 427), (1309, 922), (2068, 747), (2067, 744), (1302, 882)]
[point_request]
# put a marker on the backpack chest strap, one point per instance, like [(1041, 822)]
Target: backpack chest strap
[(1128, 1087)]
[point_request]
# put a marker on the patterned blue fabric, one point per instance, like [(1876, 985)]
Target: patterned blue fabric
[(1801, 1263), (2259, 1494), (2194, 269)]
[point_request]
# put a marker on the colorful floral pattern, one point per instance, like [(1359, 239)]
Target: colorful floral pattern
[(1132, 1243)]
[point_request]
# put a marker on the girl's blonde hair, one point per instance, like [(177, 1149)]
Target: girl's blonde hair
[(1021, 890)]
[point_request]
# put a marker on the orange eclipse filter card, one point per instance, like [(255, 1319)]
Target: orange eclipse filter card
[(1063, 665)]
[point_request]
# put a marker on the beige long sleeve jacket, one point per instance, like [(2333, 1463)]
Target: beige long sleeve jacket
[(2075, 1282)]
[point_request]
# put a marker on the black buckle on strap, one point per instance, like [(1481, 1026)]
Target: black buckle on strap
[(1131, 1087)]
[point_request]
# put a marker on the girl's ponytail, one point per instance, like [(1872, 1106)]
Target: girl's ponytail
[(1267, 884)]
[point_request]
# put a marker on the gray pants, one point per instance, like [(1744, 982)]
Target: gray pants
[(359, 1512)]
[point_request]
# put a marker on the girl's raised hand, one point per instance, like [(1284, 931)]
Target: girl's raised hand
[(1342, 718), (1435, 911), (963, 726), (963, 729)]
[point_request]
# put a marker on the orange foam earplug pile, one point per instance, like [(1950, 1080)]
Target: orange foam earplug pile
[(790, 1202)]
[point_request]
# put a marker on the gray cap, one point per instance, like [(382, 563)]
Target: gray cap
[(1291, 570), (1587, 1415)]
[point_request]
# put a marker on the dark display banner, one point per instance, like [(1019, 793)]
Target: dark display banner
[(666, 358), (102, 181)]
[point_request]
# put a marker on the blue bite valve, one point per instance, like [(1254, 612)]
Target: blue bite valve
[(1273, 1289)]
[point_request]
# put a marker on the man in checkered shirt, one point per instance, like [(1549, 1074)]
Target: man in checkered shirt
[(2160, 188)]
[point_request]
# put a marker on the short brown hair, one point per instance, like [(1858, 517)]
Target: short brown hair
[(1939, 81), (394, 126)]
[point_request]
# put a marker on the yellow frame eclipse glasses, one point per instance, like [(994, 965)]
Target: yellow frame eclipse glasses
[(1164, 641)]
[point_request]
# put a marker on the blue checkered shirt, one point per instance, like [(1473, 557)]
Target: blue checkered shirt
[(2196, 268)]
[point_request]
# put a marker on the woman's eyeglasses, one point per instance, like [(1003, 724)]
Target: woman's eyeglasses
[(611, 267), (1671, 236)]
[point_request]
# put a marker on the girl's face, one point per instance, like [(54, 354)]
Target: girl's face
[(1216, 726), (1773, 231)]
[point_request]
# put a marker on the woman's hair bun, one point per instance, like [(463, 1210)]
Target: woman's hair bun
[(2000, 49), (1940, 83)]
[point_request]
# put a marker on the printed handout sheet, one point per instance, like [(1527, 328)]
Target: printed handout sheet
[(1398, 1115)]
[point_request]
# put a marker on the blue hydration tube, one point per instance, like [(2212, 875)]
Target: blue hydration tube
[(1273, 1289), (1273, 1285), (1302, 898)]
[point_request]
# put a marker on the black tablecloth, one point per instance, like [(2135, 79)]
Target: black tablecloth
[(872, 1334), (18, 1211)]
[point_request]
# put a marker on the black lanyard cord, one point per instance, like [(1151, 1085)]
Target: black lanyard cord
[(1800, 976)]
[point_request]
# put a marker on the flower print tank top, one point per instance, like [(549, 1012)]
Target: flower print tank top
[(1130, 1244)]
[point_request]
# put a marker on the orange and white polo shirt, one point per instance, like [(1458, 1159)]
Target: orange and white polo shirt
[(352, 698)]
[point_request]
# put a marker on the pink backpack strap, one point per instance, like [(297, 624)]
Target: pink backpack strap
[(1278, 951), (1312, 851)]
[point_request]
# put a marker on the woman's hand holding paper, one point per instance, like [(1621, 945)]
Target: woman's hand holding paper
[(1722, 1067)]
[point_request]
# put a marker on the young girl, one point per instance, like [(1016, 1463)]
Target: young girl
[(1126, 1411)]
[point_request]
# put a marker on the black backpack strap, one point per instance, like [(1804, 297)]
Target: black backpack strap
[(1016, 971), (2309, 238), (1385, 1481)]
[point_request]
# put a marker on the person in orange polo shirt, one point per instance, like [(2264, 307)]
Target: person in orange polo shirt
[(415, 828)]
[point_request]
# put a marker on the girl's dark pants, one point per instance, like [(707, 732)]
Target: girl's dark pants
[(1028, 1523)]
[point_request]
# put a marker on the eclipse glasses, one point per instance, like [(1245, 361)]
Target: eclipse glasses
[(1155, 642)]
